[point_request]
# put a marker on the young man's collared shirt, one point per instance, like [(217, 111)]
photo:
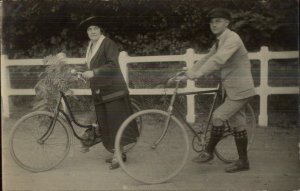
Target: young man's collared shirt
[(231, 58)]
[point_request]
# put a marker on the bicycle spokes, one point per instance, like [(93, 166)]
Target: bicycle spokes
[(33, 147), (162, 147)]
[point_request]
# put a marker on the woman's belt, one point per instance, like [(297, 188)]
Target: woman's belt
[(111, 97)]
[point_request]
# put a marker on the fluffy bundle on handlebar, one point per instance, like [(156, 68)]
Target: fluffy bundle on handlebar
[(56, 77)]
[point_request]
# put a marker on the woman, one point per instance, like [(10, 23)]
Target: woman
[(109, 90)]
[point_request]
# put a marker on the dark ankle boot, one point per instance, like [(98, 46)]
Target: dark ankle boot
[(240, 165), (241, 141), (215, 136)]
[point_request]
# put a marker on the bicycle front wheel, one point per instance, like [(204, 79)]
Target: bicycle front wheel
[(26, 147), (226, 149), (160, 151)]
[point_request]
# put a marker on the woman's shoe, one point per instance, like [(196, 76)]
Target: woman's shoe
[(114, 165), (114, 162), (124, 158)]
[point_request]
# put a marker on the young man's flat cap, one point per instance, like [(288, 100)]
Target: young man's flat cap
[(219, 13)]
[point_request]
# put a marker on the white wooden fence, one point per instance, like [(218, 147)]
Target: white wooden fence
[(264, 90)]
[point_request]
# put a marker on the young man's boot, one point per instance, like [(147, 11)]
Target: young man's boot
[(215, 136), (241, 141)]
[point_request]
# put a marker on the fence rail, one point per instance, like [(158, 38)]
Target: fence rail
[(263, 90)]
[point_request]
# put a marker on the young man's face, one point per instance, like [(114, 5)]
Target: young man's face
[(218, 25), (94, 32)]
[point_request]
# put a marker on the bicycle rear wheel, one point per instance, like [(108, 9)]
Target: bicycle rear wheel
[(147, 163), (226, 148), (29, 152)]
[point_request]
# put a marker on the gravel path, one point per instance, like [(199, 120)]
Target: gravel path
[(274, 166)]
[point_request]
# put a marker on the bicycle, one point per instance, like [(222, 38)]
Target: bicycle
[(161, 132), (41, 140)]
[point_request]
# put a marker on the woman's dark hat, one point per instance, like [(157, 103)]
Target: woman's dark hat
[(219, 13), (99, 21)]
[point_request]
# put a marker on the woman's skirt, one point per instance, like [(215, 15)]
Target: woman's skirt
[(112, 110)]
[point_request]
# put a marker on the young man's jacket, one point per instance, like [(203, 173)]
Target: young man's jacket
[(231, 57)]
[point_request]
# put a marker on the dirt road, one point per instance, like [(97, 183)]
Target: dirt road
[(274, 166)]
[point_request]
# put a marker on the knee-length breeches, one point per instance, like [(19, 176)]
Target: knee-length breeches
[(232, 111)]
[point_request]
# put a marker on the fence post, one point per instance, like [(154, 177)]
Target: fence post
[(190, 116), (5, 86), (263, 88), (123, 57)]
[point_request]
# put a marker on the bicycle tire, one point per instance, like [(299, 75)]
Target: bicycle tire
[(226, 148), (38, 157), (151, 165)]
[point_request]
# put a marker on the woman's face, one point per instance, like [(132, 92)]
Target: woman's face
[(94, 32), (218, 25)]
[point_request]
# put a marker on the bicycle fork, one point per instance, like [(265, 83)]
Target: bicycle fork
[(52, 124), (167, 122)]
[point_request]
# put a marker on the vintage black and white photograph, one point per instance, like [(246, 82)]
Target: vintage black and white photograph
[(150, 95)]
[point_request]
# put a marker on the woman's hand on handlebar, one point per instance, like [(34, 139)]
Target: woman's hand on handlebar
[(88, 74), (79, 75)]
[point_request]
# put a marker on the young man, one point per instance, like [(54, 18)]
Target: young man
[(228, 55)]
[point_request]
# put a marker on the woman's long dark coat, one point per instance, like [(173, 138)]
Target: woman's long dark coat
[(110, 94)]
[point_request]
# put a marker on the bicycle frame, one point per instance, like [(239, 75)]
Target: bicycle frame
[(216, 92), (69, 118)]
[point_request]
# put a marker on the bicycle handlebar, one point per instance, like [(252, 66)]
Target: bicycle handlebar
[(175, 78)]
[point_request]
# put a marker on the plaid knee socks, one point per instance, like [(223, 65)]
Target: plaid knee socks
[(215, 136), (241, 141)]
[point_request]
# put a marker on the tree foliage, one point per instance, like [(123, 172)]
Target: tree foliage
[(37, 28), (143, 27)]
